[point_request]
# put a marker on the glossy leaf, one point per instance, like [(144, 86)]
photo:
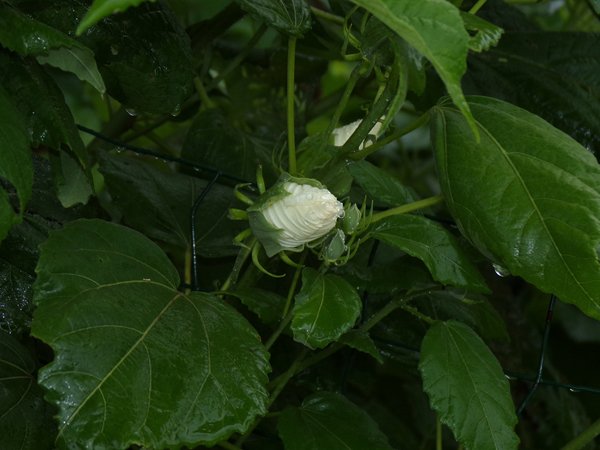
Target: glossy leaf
[(15, 164), (102, 8), (434, 245), (27, 36), (326, 307), (159, 203), (137, 361), (25, 419), (435, 29), (549, 74), (527, 195), (485, 34), (379, 185), (329, 421), (467, 388), (289, 16)]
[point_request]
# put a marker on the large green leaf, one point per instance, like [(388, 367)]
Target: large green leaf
[(159, 203), (102, 8), (18, 258), (434, 28), (49, 123), (326, 307), (26, 36), (289, 16), (329, 421), (527, 195), (379, 185), (147, 67), (434, 245), (467, 387), (136, 360), (16, 169), (25, 419), (554, 75)]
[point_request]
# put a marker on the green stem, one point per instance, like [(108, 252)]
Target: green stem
[(354, 76), (237, 267), (240, 56), (584, 438), (291, 63), (418, 123), (418, 314), (201, 90), (327, 16), (409, 207), (292, 290), (282, 381), (438, 433), (477, 6)]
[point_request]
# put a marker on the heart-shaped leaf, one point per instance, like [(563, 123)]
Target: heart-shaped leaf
[(137, 361), (467, 387), (326, 307), (329, 421), (527, 195)]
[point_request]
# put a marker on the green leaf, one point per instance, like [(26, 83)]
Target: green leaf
[(379, 185), (16, 169), (267, 305), (25, 419), (361, 341), (476, 312), (549, 74), (289, 16), (467, 387), (147, 67), (434, 28), (534, 208), (595, 4), (159, 202), (26, 36), (326, 307), (49, 123), (485, 34), (215, 142), (18, 257), (137, 361), (329, 421), (102, 8), (434, 245)]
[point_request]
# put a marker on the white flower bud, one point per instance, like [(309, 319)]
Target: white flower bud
[(342, 134), (293, 214)]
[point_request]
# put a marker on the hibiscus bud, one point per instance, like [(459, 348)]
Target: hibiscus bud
[(342, 134), (294, 212)]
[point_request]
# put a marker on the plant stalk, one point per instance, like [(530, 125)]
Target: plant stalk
[(409, 207), (592, 432), (291, 63)]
